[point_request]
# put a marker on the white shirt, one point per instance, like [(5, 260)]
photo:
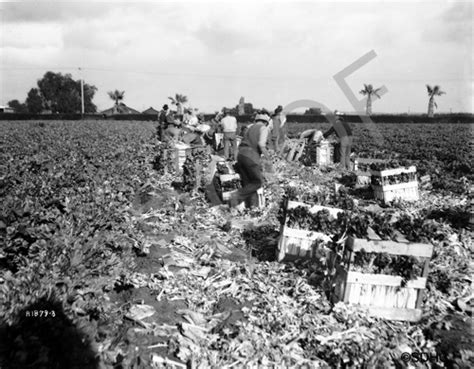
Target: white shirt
[(229, 124)]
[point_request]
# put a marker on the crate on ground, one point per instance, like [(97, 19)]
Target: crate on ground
[(324, 153), (363, 164), (387, 190), (224, 180), (180, 155), (363, 179), (293, 149), (362, 171), (384, 296), (181, 151), (298, 243)]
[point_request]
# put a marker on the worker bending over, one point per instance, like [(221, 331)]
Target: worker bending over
[(249, 164), (344, 133)]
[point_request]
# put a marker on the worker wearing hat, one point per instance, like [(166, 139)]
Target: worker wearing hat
[(249, 164), (344, 133), (174, 130), (162, 121)]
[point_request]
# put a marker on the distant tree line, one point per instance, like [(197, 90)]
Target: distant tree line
[(56, 93)]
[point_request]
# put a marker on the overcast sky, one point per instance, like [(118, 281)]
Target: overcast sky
[(215, 52)]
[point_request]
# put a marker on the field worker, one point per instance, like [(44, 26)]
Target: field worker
[(229, 128), (162, 121), (249, 164), (344, 133), (312, 135), (173, 132), (196, 138), (283, 128), (276, 129)]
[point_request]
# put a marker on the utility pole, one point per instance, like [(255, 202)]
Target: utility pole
[(82, 92)]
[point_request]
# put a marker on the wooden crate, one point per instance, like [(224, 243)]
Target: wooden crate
[(225, 196), (180, 156), (324, 154), (297, 243), (182, 151), (402, 191), (390, 172), (223, 178), (407, 191), (363, 179), (293, 149), (382, 294), (363, 162)]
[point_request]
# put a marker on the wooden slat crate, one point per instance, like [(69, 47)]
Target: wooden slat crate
[(297, 243), (363, 178), (407, 191), (362, 163), (223, 178), (293, 149), (401, 191), (395, 171), (324, 154), (182, 151), (225, 196), (382, 294)]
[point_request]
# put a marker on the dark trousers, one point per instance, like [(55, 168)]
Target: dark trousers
[(249, 167), (230, 143), (345, 146)]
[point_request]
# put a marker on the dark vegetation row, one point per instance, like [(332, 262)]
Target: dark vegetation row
[(294, 118)]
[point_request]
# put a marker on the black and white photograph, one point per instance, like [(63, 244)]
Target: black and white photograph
[(236, 184)]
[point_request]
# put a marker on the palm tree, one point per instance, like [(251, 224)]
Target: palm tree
[(178, 100), (432, 92), (117, 96), (369, 92)]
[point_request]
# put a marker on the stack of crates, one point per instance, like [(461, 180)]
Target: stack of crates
[(180, 155), (388, 192)]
